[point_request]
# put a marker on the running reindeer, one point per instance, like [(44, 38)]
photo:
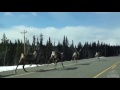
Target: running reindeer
[(27, 58), (55, 56), (76, 55), (97, 55)]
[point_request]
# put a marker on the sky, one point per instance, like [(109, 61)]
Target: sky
[(77, 26)]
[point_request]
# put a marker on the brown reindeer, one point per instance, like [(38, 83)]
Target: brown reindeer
[(27, 58)]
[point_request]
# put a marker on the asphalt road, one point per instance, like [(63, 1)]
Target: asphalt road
[(107, 67)]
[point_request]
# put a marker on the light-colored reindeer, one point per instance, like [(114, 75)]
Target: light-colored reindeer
[(76, 55), (55, 56)]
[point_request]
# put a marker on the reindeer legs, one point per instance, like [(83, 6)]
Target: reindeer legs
[(98, 58), (18, 65), (36, 64), (51, 59), (24, 66), (76, 60), (55, 63), (62, 63), (48, 61), (72, 59), (31, 64), (16, 68)]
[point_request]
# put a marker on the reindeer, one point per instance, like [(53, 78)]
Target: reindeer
[(76, 55), (55, 56), (27, 58), (40, 56), (97, 54)]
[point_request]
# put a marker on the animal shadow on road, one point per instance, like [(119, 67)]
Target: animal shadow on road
[(103, 59), (72, 68), (83, 64), (3, 76), (44, 70)]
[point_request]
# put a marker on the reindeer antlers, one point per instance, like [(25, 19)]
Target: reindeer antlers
[(80, 49)]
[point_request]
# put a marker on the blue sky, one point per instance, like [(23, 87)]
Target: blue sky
[(60, 19), (93, 25)]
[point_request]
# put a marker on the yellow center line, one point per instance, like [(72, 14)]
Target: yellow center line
[(106, 69), (113, 66)]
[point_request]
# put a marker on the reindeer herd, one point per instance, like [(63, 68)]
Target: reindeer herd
[(55, 56)]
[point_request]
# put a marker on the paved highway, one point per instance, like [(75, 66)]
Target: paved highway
[(108, 67)]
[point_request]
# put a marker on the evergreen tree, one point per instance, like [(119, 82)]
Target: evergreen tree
[(34, 40), (41, 40), (66, 42), (37, 43), (4, 48)]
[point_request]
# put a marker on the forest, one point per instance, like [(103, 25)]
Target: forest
[(10, 52)]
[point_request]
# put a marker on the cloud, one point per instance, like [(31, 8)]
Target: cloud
[(8, 14), (75, 33), (34, 13)]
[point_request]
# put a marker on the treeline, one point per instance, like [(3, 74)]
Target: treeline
[(10, 52)]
